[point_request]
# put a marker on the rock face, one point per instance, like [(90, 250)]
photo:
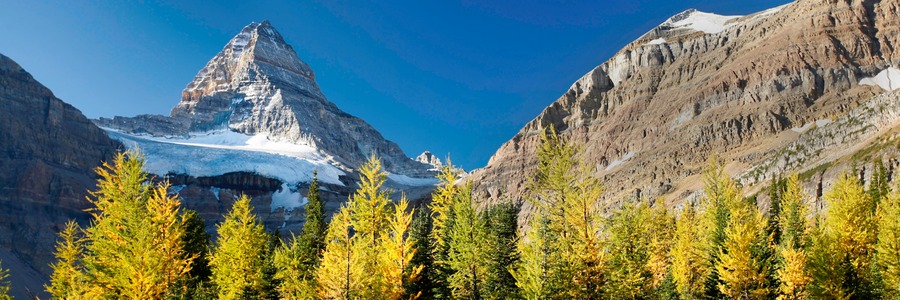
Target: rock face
[(429, 159), (48, 152), (742, 88), (258, 85), (254, 121)]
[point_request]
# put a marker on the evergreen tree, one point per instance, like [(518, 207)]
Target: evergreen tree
[(502, 225), (741, 267), (239, 259), (442, 215), (629, 251), (196, 244), (4, 284), (469, 249), (296, 262), (844, 245), (134, 245), (888, 245), (793, 271), (777, 191), (690, 262), (879, 185), (68, 279), (419, 235)]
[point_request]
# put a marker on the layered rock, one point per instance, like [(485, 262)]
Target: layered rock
[(258, 85), (702, 85), (48, 152)]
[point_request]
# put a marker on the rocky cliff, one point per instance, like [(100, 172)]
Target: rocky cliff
[(743, 88), (48, 152)]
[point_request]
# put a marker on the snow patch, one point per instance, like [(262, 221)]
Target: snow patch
[(702, 21), (410, 181), (215, 192), (621, 160), (287, 198), (888, 79), (656, 41), (806, 127), (225, 152)]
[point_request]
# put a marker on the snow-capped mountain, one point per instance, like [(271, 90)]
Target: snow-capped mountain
[(256, 94)]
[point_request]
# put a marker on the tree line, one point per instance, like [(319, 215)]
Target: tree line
[(142, 244)]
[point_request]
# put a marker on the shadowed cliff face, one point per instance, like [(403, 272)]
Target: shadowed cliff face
[(48, 152), (649, 118)]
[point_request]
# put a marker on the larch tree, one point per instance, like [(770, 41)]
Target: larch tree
[(888, 245), (629, 251), (661, 230), (398, 253), (441, 207), (741, 267), (240, 255), (567, 200), (337, 275), (68, 279), (4, 284), (469, 249), (532, 273), (690, 262), (720, 193), (844, 245), (793, 268), (133, 248)]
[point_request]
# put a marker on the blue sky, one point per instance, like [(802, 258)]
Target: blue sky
[(457, 78)]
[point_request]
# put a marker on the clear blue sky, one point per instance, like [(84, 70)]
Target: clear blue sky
[(450, 77)]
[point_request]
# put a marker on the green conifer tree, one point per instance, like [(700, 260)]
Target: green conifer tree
[(297, 261), (502, 225), (419, 235), (793, 269), (469, 246), (441, 207), (239, 258)]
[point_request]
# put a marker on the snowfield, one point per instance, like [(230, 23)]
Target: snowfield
[(706, 22), (888, 79), (220, 152)]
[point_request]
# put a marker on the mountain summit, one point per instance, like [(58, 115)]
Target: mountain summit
[(258, 87)]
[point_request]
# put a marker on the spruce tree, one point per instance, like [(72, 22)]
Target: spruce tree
[(196, 243), (239, 259), (502, 225), (720, 193), (420, 236), (297, 261)]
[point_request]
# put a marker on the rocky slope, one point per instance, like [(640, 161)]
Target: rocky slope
[(744, 88), (254, 121), (48, 152)]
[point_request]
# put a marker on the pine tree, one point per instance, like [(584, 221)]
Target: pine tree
[(239, 258), (134, 246), (879, 185), (690, 262), (741, 268), (793, 271), (442, 215), (469, 246), (68, 279), (888, 245), (502, 225), (296, 262), (844, 245), (419, 235), (629, 251), (337, 275), (4, 284)]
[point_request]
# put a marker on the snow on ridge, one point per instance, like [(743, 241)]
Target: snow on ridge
[(218, 154), (808, 126), (888, 79), (657, 41), (702, 21), (410, 181), (619, 161), (287, 198)]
